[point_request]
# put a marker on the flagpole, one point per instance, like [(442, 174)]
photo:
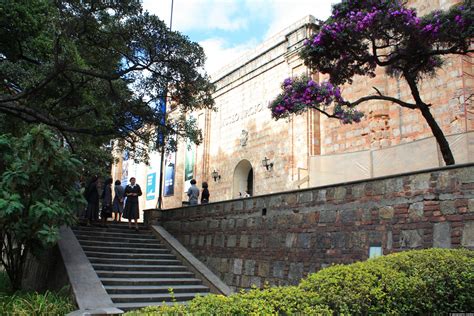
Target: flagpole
[(162, 160)]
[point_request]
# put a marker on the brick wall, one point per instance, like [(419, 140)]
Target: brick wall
[(386, 124), (280, 238)]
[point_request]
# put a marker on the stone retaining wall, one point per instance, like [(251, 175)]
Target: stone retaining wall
[(280, 238)]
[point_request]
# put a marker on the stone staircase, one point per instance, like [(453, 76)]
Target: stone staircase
[(136, 269)]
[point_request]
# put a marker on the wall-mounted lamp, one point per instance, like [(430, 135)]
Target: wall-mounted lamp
[(267, 165), (215, 175)]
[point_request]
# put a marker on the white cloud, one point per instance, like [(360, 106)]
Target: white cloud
[(199, 14), (286, 12), (219, 54), (234, 15)]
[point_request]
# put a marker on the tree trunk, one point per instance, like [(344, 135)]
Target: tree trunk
[(425, 111), (438, 134)]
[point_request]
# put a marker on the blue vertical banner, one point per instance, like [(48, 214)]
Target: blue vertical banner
[(170, 163), (150, 186), (161, 107)]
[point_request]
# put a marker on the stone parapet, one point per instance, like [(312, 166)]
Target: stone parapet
[(280, 238)]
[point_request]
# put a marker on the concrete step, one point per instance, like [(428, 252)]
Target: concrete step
[(143, 274), (120, 261), (155, 250), (168, 282), (152, 244), (155, 289), (114, 234), (109, 229), (159, 297), (124, 225), (138, 305), (122, 255), (124, 240), (137, 267)]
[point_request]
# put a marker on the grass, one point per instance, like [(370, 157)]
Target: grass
[(23, 303)]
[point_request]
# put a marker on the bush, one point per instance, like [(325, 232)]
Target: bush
[(37, 195), (447, 276), (432, 281), (415, 282), (32, 303), (271, 301)]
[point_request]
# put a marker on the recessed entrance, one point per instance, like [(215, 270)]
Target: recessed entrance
[(243, 179)]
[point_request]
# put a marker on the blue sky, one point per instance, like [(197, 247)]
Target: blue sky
[(227, 29)]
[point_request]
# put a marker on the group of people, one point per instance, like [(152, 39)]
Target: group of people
[(124, 202), (193, 193)]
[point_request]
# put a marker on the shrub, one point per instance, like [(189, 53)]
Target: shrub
[(271, 301), (432, 281), (360, 288), (447, 276), (37, 194), (32, 303), (415, 282)]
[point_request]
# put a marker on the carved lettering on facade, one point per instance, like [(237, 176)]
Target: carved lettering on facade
[(242, 115)]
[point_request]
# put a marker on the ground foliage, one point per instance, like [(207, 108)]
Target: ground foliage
[(421, 282), (22, 303)]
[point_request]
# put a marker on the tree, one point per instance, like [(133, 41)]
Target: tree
[(37, 195), (93, 72), (363, 35), (98, 68)]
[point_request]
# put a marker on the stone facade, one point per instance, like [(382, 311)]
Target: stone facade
[(280, 238), (310, 149), (242, 133), (245, 88)]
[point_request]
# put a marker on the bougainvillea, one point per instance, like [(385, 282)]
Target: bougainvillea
[(362, 35)]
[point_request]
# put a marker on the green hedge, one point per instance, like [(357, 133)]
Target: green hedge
[(432, 281)]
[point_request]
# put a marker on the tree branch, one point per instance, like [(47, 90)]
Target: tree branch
[(383, 98), (30, 115)]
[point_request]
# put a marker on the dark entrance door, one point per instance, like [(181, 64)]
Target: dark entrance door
[(250, 182)]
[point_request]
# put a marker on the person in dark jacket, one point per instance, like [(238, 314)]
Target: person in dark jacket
[(106, 211), (205, 193), (131, 211), (91, 194), (119, 196)]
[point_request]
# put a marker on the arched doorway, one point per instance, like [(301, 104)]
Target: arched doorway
[(243, 179)]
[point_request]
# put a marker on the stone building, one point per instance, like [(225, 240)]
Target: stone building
[(244, 150)]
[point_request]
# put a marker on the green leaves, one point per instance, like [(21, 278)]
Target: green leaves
[(10, 205), (37, 194), (95, 72), (420, 282), (48, 235)]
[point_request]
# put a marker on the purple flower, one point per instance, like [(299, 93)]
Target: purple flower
[(459, 20), (428, 28), (317, 39)]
